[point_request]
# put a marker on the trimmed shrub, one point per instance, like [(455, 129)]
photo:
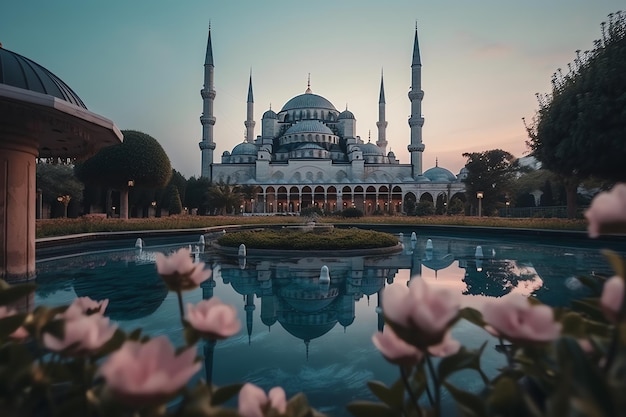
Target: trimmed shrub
[(352, 212)]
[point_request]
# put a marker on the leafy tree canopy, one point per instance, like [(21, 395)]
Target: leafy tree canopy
[(580, 128), (492, 173), (139, 158), (55, 180)]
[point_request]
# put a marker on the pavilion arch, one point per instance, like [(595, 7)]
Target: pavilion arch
[(409, 203), (296, 177), (426, 197), (277, 176)]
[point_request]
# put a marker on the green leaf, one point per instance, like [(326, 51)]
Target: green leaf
[(371, 409), (393, 397), (505, 397), (470, 404), (225, 393), (617, 262), (473, 316), (15, 293), (298, 406), (463, 359), (10, 324)]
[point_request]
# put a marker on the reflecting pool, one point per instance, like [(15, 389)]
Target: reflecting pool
[(307, 335)]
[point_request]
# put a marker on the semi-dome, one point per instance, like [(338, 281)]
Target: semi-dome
[(270, 114), (308, 101), (439, 174), (346, 114), (309, 126), (245, 148), (309, 145), (19, 71), (371, 149)]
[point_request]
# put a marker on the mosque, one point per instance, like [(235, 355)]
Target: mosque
[(309, 155)]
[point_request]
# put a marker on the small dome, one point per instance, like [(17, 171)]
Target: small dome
[(226, 153), (438, 174), (371, 149), (245, 148), (308, 101), (19, 71), (270, 114), (309, 126), (391, 154), (346, 114)]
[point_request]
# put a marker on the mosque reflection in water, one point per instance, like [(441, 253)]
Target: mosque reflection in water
[(292, 291)]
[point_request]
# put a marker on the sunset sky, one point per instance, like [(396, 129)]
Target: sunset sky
[(140, 63)]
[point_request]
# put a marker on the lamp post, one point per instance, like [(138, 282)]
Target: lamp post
[(479, 196), (65, 200), (252, 205), (508, 203)]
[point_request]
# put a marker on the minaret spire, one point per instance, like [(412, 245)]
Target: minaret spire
[(207, 119), (382, 123), (416, 121), (250, 123), (308, 85)]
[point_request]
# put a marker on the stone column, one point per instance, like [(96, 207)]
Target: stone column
[(17, 206)]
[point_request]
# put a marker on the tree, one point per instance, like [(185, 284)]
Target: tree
[(58, 185), (196, 194), (492, 173), (579, 129), (138, 161), (223, 198), (175, 206)]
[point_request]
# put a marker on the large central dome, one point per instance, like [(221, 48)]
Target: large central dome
[(308, 101)]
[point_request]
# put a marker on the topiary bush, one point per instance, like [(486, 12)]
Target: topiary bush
[(352, 212)]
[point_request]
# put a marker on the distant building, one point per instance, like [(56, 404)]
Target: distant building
[(309, 155)]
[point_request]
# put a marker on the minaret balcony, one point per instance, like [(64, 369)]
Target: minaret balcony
[(207, 120), (207, 93), (205, 144), (416, 95), (381, 124), (416, 121), (249, 123), (416, 147)]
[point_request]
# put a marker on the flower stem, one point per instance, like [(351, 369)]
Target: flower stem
[(407, 384), (610, 355), (180, 307), (431, 369), (507, 353)]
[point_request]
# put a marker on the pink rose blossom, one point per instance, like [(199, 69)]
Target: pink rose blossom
[(606, 208), (515, 319), (148, 373), (612, 298), (213, 318), (85, 305), (254, 403), (394, 349), (447, 347), (84, 333), (419, 314), (179, 272)]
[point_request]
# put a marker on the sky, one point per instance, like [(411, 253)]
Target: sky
[(140, 63)]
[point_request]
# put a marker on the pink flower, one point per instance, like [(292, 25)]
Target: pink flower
[(83, 334), (148, 373), (607, 208), (179, 272), (515, 319), (394, 349), (85, 305), (447, 347), (612, 298), (419, 314), (213, 318), (19, 333), (254, 403)]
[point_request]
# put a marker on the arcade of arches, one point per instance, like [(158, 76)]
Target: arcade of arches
[(369, 199)]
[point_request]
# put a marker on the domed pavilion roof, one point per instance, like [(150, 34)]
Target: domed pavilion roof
[(308, 101), (270, 114), (346, 114), (19, 71), (371, 149)]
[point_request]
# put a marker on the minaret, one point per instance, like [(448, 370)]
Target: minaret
[(249, 123), (382, 123), (207, 146), (416, 121)]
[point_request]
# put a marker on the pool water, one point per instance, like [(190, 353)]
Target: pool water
[(306, 336)]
